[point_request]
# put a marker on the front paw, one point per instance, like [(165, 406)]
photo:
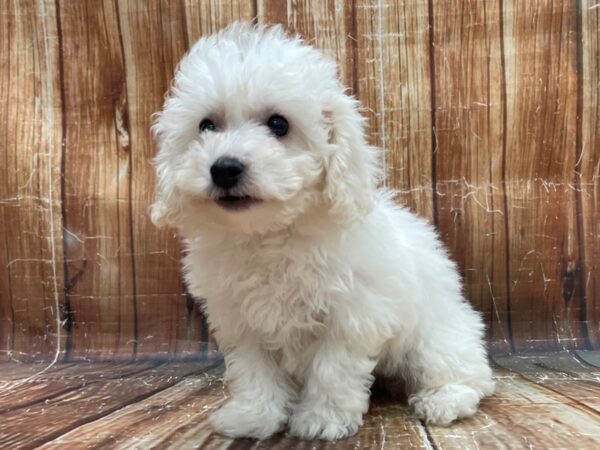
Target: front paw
[(253, 419), (329, 425)]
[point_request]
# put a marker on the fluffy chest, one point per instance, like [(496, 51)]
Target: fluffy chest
[(281, 295)]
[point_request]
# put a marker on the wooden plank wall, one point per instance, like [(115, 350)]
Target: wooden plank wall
[(489, 111)]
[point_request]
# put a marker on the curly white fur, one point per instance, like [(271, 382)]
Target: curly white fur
[(326, 281)]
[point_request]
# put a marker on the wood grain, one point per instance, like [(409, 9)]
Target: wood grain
[(469, 130), (97, 195), (163, 320), (85, 404), (521, 416), (541, 401), (173, 418), (204, 17), (31, 268), (540, 48), (176, 418), (495, 103), (325, 24), (561, 373), (393, 82), (37, 386), (587, 170)]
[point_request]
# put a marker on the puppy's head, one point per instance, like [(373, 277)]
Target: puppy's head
[(256, 132)]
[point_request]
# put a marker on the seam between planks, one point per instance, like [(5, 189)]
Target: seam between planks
[(49, 116), (428, 441), (382, 123), (125, 125), (503, 94), (434, 140), (579, 232), (63, 159)]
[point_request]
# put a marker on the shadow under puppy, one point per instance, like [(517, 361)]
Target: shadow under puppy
[(314, 279)]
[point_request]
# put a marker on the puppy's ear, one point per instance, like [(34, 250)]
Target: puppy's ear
[(351, 168), (159, 213), (166, 207)]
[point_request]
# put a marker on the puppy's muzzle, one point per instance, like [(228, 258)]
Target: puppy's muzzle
[(226, 172)]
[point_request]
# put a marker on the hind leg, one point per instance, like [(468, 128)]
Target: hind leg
[(446, 369), (449, 371)]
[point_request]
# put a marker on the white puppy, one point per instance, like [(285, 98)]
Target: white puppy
[(314, 279)]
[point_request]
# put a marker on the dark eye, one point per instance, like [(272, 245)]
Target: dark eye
[(278, 125), (207, 125)]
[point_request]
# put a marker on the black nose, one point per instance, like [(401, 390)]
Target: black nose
[(226, 172)]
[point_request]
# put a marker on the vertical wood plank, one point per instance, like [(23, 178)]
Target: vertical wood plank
[(31, 272), (325, 24), (588, 163), (209, 16), (469, 108), (540, 48), (393, 83), (97, 186), (153, 37)]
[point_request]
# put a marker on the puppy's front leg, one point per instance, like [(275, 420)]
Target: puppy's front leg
[(335, 394), (260, 395)]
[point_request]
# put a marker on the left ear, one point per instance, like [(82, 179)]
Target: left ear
[(351, 167)]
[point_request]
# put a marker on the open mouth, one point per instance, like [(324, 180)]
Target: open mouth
[(235, 202)]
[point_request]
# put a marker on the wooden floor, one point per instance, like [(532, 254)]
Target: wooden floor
[(549, 401)]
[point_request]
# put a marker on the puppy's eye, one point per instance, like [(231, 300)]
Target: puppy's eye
[(278, 125), (207, 125)]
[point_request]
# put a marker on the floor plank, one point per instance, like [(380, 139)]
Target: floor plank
[(562, 373), (542, 401), (40, 386), (522, 415), (172, 418), (175, 418), (89, 402)]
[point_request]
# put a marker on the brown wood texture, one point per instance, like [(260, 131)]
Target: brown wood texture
[(208, 16), (523, 415), (542, 401), (468, 110), (90, 398), (324, 24), (393, 80), (27, 389), (488, 113), (587, 170), (31, 244), (541, 122), (97, 187), (162, 319)]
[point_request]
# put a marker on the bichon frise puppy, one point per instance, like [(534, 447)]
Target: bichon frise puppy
[(314, 279)]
